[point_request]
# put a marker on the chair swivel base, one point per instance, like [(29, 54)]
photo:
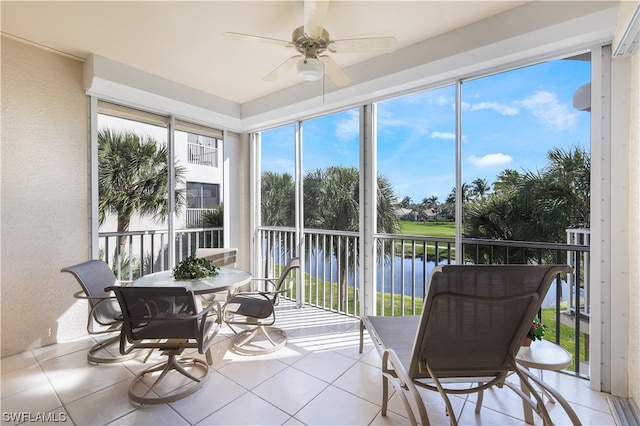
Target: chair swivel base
[(93, 358), (259, 340), (139, 393)]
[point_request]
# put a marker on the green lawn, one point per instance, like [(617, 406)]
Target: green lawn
[(428, 229)]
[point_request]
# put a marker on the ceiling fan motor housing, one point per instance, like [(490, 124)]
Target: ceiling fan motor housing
[(309, 47)]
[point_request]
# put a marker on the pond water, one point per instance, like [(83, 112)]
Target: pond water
[(414, 271)]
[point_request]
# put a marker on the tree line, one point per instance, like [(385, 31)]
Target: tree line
[(522, 206), (526, 206)]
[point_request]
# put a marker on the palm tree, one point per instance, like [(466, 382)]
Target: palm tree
[(449, 207), (431, 202), (406, 202), (387, 218), (278, 199), (536, 206), (331, 201), (277, 208), (480, 187), (507, 178), (133, 178)]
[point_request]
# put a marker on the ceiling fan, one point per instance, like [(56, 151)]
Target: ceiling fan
[(313, 42)]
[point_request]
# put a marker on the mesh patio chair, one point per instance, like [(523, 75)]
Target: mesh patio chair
[(256, 309), (473, 323), (168, 319), (218, 257), (104, 312)]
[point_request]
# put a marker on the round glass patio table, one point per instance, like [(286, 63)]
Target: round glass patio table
[(228, 278)]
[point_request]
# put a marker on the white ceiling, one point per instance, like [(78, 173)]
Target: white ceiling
[(182, 40)]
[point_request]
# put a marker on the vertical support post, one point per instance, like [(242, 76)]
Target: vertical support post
[(93, 184), (368, 209), (172, 192), (299, 203), (459, 195), (255, 185), (619, 133), (600, 340), (226, 191)]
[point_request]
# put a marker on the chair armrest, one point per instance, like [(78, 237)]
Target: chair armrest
[(260, 293), (272, 281), (207, 309), (267, 281), (82, 295)]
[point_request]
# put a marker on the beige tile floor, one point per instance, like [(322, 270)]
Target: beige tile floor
[(319, 378)]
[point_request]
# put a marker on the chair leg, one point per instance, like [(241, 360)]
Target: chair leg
[(479, 401), (173, 363), (361, 347), (93, 358), (385, 394), (246, 342)]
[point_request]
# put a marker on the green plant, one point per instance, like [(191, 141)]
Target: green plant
[(537, 330), (193, 268)]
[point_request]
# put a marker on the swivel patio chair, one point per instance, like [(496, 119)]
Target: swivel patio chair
[(474, 320), (168, 319), (104, 312), (256, 309), (218, 257)]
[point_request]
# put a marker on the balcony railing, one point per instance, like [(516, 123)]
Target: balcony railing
[(137, 253), (202, 155), (193, 217), (404, 264)]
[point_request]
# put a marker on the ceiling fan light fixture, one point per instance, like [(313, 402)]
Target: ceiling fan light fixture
[(310, 69)]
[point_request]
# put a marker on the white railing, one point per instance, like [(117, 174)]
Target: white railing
[(193, 217), (404, 264), (579, 290), (202, 155), (136, 253)]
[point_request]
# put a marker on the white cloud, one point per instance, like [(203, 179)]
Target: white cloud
[(348, 126), (444, 100), (387, 120), (499, 108), (546, 107), (443, 135), (491, 160)]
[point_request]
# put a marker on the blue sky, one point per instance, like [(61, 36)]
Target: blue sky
[(509, 120)]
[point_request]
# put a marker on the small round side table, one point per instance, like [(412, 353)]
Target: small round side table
[(542, 355)]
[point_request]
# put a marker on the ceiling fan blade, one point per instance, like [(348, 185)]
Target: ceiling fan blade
[(314, 13), (282, 68), (334, 72), (364, 45), (258, 39)]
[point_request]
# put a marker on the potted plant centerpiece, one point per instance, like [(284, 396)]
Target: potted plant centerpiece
[(536, 332), (193, 268)]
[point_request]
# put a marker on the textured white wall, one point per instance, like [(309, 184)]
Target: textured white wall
[(44, 196)]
